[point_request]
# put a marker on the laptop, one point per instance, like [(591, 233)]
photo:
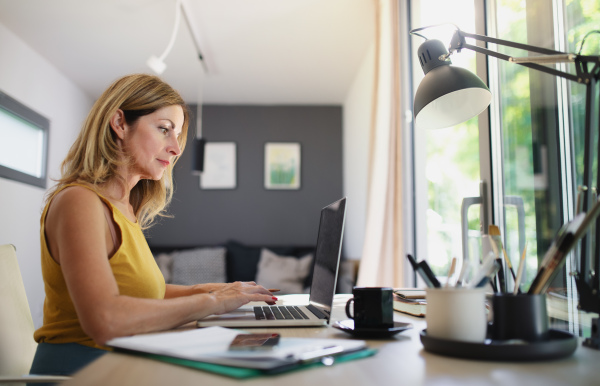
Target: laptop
[(322, 289)]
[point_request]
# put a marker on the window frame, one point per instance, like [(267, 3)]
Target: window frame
[(491, 145), (15, 107)]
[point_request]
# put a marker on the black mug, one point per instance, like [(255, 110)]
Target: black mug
[(373, 307), (521, 316)]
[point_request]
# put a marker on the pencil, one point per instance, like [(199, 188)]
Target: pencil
[(274, 290)]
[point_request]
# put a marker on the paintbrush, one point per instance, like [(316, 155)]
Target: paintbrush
[(500, 272), (489, 248), (520, 271), (486, 269), (494, 232)]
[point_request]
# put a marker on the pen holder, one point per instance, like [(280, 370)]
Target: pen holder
[(457, 314), (521, 316)]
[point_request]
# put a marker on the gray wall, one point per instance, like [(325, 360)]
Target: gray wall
[(250, 213)]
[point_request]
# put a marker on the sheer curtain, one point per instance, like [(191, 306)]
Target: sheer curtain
[(382, 258)]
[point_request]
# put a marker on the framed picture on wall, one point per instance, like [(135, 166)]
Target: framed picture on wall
[(282, 165), (219, 166)]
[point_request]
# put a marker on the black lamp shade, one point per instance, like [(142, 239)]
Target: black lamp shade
[(198, 155), (447, 95)]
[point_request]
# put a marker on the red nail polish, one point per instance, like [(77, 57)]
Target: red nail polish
[(274, 298)]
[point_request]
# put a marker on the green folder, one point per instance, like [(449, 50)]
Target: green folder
[(242, 372)]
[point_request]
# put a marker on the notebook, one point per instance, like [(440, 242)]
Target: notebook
[(325, 271)]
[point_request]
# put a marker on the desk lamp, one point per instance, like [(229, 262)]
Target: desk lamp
[(449, 95)]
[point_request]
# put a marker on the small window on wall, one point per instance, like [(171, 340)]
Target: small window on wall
[(23, 143)]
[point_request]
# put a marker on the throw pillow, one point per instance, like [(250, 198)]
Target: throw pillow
[(200, 265), (286, 273), (242, 261)]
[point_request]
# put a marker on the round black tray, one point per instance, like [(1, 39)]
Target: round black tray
[(559, 344)]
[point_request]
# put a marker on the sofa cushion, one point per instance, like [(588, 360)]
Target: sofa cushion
[(200, 265), (287, 273), (242, 261), (165, 264)]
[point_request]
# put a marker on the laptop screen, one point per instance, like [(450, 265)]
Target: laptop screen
[(329, 245)]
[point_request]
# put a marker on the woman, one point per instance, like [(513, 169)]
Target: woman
[(100, 278)]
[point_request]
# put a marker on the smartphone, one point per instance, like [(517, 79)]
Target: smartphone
[(249, 342)]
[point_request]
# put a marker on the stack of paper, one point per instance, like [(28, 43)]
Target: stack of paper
[(211, 345)]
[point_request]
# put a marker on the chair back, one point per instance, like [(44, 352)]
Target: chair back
[(17, 346)]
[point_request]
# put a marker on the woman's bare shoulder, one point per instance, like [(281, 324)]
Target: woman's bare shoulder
[(74, 199), (75, 221)]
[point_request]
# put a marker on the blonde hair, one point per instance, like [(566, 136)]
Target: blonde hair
[(95, 156)]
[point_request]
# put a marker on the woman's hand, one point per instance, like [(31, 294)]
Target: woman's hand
[(234, 295)]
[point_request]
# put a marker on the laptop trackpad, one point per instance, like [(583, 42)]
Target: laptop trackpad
[(238, 314)]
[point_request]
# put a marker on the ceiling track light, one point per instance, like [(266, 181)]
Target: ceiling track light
[(157, 64)]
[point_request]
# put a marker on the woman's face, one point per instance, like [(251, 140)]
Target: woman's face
[(152, 142)]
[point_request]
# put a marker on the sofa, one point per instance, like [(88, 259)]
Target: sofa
[(287, 268)]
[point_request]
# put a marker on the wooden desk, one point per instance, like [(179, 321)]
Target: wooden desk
[(400, 360)]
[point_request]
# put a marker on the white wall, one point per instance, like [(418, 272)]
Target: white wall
[(32, 80), (356, 126)]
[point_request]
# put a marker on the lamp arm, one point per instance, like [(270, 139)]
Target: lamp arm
[(588, 277), (508, 43), (547, 70), (458, 42)]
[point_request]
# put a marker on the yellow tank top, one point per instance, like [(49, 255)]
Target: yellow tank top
[(133, 266)]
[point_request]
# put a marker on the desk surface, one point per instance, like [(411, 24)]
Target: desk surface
[(400, 359)]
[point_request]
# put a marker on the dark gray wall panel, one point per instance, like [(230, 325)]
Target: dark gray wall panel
[(250, 213)]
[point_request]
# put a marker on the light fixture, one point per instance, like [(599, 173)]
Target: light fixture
[(199, 145), (198, 155), (448, 96), (157, 63)]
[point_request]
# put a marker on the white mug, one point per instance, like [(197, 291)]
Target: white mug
[(456, 314)]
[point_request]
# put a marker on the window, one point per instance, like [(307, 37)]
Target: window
[(24, 144), (447, 166), (539, 164), (527, 149)]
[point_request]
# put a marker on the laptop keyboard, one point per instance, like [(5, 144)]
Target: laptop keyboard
[(285, 312)]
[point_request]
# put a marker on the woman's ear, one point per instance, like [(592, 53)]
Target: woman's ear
[(118, 124)]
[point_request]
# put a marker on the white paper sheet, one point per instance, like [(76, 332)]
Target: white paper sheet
[(212, 343)]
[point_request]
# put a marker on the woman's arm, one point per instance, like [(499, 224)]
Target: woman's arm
[(175, 291), (76, 234)]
